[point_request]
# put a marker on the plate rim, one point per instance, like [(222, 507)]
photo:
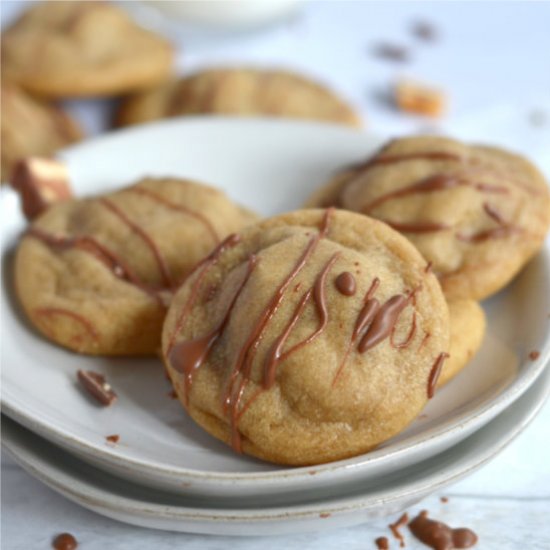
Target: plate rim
[(466, 420), (428, 481)]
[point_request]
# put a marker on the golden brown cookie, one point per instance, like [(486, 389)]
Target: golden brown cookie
[(30, 127), (310, 337), (467, 332), (95, 275), (476, 213), (244, 92), (66, 49)]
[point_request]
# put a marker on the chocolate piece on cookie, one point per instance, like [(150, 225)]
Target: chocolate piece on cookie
[(70, 49), (41, 183), (272, 350), (95, 275), (477, 213), (243, 92), (30, 127)]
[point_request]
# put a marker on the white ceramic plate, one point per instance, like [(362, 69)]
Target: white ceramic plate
[(271, 166), (117, 499)]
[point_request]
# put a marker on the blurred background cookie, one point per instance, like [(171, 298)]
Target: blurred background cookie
[(304, 340), (95, 275), (69, 49), (30, 127), (239, 91), (477, 214)]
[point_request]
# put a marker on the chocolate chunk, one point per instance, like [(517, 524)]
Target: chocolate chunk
[(40, 184), (64, 541), (391, 52), (534, 355), (97, 386), (382, 543), (438, 535), (112, 438), (425, 31)]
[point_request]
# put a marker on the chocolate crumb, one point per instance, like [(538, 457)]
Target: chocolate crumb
[(172, 394), (438, 535), (324, 515), (97, 387), (382, 543), (112, 438), (444, 500), (391, 52), (534, 355), (394, 527), (425, 31), (538, 118), (64, 541)]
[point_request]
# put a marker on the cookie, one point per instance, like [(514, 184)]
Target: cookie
[(95, 275), (243, 92), (467, 331), (70, 49), (476, 213), (30, 127), (310, 337)]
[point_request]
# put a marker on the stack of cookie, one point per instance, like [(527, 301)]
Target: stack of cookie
[(59, 50), (305, 338)]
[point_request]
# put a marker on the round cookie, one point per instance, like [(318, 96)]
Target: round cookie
[(467, 331), (477, 214), (30, 127), (244, 92), (69, 49), (310, 337), (95, 275)]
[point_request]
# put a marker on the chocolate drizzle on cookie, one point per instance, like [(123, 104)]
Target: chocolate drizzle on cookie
[(439, 536), (188, 356), (89, 244), (276, 355), (440, 182), (151, 195), (345, 284), (240, 373), (375, 322), (113, 261), (49, 312), (163, 267), (435, 372)]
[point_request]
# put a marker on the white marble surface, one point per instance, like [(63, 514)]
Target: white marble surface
[(492, 59)]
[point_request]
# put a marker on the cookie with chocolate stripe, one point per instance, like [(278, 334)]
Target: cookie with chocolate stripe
[(310, 337), (478, 214), (238, 91), (95, 275)]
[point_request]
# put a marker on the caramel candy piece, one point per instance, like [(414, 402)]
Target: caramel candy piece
[(40, 183), (96, 385), (420, 99)]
